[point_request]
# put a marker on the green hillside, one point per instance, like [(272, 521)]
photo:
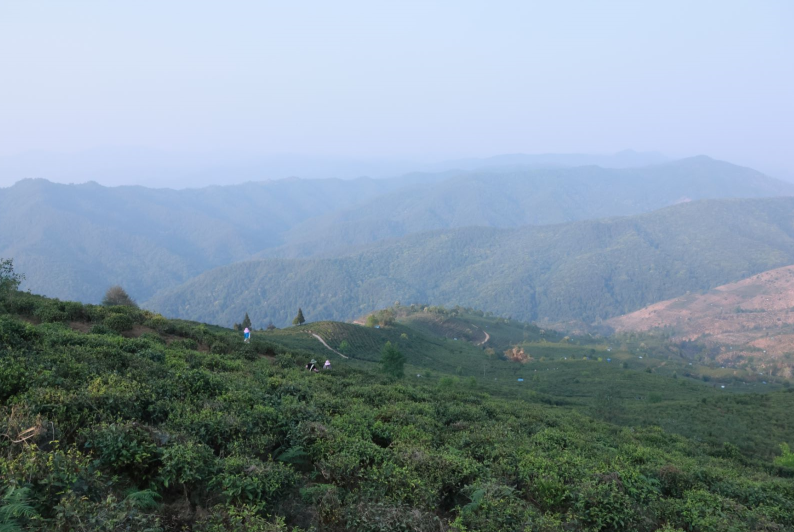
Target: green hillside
[(578, 271), (119, 419)]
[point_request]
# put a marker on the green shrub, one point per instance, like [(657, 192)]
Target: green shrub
[(15, 334), (243, 480), (119, 322), (106, 513), (153, 338), (50, 311), (244, 518), (286, 360), (709, 512), (220, 348), (100, 328), (372, 516), (185, 343), (123, 448), (188, 465), (493, 507), (158, 323), (786, 459), (605, 505)]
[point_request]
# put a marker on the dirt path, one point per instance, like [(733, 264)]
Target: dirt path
[(327, 346), (487, 337)]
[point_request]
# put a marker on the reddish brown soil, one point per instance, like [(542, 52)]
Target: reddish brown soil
[(755, 316)]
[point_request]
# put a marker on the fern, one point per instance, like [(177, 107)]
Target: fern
[(142, 500), (15, 505)]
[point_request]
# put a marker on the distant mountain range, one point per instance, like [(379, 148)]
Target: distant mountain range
[(527, 196), (587, 270), (73, 241), (153, 168)]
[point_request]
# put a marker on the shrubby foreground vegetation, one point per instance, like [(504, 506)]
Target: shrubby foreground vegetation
[(114, 418)]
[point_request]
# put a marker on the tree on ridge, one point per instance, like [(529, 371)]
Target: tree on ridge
[(299, 319), (116, 295)]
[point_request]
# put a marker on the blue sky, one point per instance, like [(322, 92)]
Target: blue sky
[(423, 80)]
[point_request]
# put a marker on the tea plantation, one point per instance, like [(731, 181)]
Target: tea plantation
[(113, 419)]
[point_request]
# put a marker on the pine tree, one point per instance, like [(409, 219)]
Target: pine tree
[(246, 322), (392, 362), (299, 319)]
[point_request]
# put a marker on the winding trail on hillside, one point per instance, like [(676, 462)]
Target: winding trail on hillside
[(487, 337), (326, 345)]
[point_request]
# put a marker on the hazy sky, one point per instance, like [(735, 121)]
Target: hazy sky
[(400, 79)]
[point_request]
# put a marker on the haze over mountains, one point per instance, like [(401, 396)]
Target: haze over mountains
[(525, 196), (152, 168), (73, 241)]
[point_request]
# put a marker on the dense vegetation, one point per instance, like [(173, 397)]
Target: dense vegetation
[(527, 197), (115, 418), (576, 271), (75, 241)]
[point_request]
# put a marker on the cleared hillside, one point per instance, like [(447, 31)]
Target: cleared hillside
[(752, 319), (579, 271)]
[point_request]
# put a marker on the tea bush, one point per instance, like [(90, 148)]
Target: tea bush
[(184, 428)]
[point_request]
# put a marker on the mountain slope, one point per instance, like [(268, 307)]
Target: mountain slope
[(73, 241), (577, 271), (528, 196)]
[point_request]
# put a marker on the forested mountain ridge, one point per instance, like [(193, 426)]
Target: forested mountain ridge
[(73, 241), (586, 270), (526, 196)]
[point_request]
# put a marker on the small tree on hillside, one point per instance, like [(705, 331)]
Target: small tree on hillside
[(392, 362), (299, 319), (9, 281), (372, 320), (116, 295), (270, 326), (246, 322)]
